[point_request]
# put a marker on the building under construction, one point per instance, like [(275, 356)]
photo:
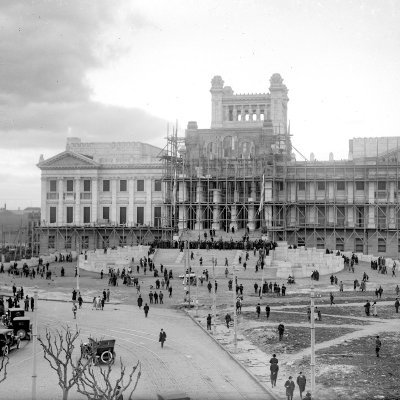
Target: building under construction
[(241, 176)]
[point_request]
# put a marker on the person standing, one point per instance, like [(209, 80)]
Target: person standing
[(209, 322), (374, 309), (274, 368), (108, 295), (32, 303), (258, 310), (26, 303), (170, 291), (331, 297), (80, 301), (162, 338), (267, 310), (227, 319), (301, 382), (146, 309), (367, 306), (281, 330), (397, 304), (73, 295), (378, 345), (161, 297), (397, 290), (140, 301), (289, 385), (341, 286)]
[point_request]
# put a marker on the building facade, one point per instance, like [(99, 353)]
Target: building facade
[(241, 174), (112, 187)]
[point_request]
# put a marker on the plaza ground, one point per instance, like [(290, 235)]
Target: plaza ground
[(346, 362)]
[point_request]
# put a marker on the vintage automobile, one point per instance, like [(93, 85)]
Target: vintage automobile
[(102, 351), (22, 327), (16, 320), (7, 341)]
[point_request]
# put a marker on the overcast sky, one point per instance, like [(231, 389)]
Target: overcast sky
[(108, 70)]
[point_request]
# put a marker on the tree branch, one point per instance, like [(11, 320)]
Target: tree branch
[(3, 368)]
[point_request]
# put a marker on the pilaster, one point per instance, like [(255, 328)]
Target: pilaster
[(60, 210), (43, 200), (95, 200), (77, 216)]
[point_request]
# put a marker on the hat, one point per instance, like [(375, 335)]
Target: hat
[(290, 377)]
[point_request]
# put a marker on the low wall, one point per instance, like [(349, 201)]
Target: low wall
[(34, 261), (98, 260)]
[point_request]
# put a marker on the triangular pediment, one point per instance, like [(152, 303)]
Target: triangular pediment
[(68, 160)]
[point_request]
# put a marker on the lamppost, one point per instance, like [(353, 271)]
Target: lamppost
[(234, 309), (312, 363), (34, 376), (214, 299)]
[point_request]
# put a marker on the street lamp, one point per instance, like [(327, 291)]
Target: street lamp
[(214, 299), (312, 363), (34, 376), (234, 309)]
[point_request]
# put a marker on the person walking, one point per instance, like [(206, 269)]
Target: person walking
[(397, 304), (281, 330), (331, 297), (170, 291), (162, 338), (74, 309), (146, 309), (301, 382), (26, 303), (274, 368), (289, 385), (73, 295), (32, 303), (258, 310), (161, 297), (209, 322), (397, 290), (378, 345), (80, 301)]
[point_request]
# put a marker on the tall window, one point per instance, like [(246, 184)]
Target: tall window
[(122, 185), (358, 245), (321, 186), (157, 217), (52, 242), (106, 185), (70, 215), (53, 215), (106, 213), (381, 245), (85, 242), (122, 215), (140, 215), (86, 185), (381, 185), (140, 185), (53, 185), (68, 242), (301, 186), (340, 185), (70, 185), (86, 215), (157, 185), (359, 185)]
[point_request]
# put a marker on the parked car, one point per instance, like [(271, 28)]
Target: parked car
[(102, 351), (8, 341)]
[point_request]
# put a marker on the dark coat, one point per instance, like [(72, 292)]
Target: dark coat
[(162, 337), (146, 309), (301, 382), (139, 301), (289, 385)]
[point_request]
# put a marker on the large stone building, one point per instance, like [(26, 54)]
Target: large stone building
[(241, 174), (238, 176), (100, 194)]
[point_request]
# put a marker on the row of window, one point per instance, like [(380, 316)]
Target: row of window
[(340, 185), (106, 215), (123, 185)]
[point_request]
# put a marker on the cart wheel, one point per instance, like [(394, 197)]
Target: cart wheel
[(106, 357), (21, 333)]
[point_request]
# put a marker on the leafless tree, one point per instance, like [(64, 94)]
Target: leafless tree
[(58, 350), (97, 383), (3, 368)]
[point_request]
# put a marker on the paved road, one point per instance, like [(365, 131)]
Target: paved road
[(190, 363)]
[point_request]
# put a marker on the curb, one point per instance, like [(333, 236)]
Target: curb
[(255, 379)]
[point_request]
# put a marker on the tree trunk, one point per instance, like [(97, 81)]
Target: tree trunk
[(65, 394)]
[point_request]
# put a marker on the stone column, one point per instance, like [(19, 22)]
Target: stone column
[(268, 215), (392, 217), (253, 193), (215, 224), (258, 112), (350, 217), (113, 215), (77, 216), (60, 211), (350, 192), (251, 213), (391, 191), (182, 217), (371, 209), (199, 220), (148, 210), (131, 189), (43, 200), (94, 200), (233, 222)]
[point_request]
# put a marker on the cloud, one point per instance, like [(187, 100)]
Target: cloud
[(47, 50)]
